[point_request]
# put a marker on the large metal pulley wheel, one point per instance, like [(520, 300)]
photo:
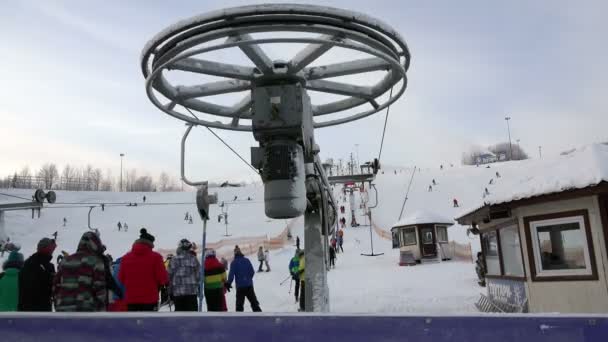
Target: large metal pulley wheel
[(178, 59)]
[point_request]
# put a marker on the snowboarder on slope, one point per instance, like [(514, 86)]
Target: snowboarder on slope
[(242, 272), (184, 278), (36, 278), (215, 278), (142, 272), (144, 199), (65, 221), (80, 282), (430, 188)]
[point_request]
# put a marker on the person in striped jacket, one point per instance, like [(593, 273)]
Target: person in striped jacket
[(215, 277), (80, 282)]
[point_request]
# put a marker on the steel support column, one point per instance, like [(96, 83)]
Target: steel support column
[(316, 290)]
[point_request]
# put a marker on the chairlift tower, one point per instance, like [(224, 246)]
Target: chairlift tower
[(273, 99)]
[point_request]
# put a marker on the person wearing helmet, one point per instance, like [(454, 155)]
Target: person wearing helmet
[(184, 277)]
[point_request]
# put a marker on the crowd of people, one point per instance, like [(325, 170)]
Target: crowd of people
[(89, 280)]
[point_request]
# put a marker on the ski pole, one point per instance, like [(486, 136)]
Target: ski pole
[(291, 282), (284, 280)]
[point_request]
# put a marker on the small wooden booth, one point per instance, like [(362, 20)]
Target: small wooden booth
[(544, 235), (424, 235)]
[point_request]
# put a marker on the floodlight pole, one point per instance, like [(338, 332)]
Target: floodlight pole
[(509, 132)]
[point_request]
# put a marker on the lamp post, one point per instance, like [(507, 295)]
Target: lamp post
[(509, 131), (121, 155)]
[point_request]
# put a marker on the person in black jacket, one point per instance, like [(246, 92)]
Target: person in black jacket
[(36, 279)]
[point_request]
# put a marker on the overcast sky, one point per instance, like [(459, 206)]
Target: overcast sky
[(71, 89)]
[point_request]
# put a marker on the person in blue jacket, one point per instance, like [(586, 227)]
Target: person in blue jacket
[(241, 270)]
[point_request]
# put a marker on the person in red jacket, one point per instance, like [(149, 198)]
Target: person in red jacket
[(142, 272)]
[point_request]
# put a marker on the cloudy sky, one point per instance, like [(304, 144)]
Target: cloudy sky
[(71, 89)]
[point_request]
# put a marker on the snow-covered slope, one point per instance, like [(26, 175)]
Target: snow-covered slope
[(358, 284)]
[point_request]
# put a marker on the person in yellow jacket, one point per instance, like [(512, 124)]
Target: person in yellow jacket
[(301, 272)]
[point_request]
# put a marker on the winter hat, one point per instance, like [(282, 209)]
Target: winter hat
[(46, 246), (237, 250), (15, 260), (144, 235), (184, 244)]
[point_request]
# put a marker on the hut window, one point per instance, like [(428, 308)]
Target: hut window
[(490, 247), (408, 236), (561, 247), (511, 251), (442, 234)]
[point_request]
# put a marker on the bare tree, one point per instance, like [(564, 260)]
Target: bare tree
[(107, 182), (96, 178), (67, 177), (142, 184), (49, 174), (87, 177), (26, 177), (163, 181), (131, 178)]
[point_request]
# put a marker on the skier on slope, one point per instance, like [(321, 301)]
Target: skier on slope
[(80, 282), (455, 201), (36, 278), (261, 259), (215, 278), (332, 256), (184, 278), (341, 239), (142, 273), (242, 272), (267, 259), (302, 276), (294, 266), (119, 225)]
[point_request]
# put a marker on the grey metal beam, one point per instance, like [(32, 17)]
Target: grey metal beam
[(348, 68), (340, 88), (255, 53), (307, 55), (212, 88), (214, 68), (368, 177), (20, 206), (240, 108)]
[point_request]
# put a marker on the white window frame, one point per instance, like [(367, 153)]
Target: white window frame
[(402, 237), (437, 233), (534, 225)]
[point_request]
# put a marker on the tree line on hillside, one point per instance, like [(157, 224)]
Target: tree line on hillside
[(86, 178), (497, 153)]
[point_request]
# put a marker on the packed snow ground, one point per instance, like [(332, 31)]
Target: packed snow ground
[(358, 284)]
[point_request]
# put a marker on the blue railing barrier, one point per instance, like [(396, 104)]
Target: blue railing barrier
[(174, 327)]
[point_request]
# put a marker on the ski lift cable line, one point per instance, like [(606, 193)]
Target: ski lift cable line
[(388, 108), (225, 143), (19, 197)]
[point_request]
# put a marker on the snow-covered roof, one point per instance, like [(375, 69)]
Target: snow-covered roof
[(423, 217), (579, 168)]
